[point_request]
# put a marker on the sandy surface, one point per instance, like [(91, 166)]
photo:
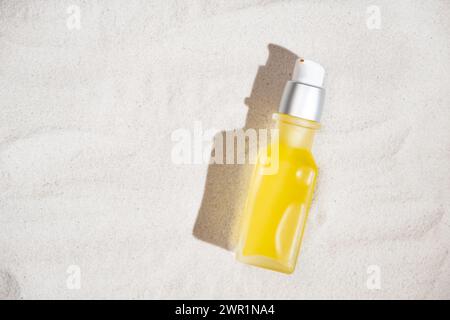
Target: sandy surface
[(87, 181)]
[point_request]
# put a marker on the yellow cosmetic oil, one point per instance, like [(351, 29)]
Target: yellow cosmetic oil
[(283, 180)]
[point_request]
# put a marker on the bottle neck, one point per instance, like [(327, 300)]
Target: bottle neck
[(295, 132)]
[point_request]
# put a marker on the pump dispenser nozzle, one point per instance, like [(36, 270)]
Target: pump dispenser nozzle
[(308, 72), (303, 96)]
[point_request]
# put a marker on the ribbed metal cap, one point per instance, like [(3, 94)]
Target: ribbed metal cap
[(303, 96)]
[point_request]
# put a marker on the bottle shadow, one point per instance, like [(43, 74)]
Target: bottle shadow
[(223, 200)]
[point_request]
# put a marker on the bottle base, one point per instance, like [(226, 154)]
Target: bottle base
[(266, 263)]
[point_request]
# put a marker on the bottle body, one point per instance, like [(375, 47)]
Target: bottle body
[(278, 200)]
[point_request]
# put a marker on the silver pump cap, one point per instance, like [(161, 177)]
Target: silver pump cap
[(303, 96)]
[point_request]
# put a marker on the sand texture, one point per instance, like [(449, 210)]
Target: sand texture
[(92, 204)]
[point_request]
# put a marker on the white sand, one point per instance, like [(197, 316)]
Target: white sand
[(86, 118)]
